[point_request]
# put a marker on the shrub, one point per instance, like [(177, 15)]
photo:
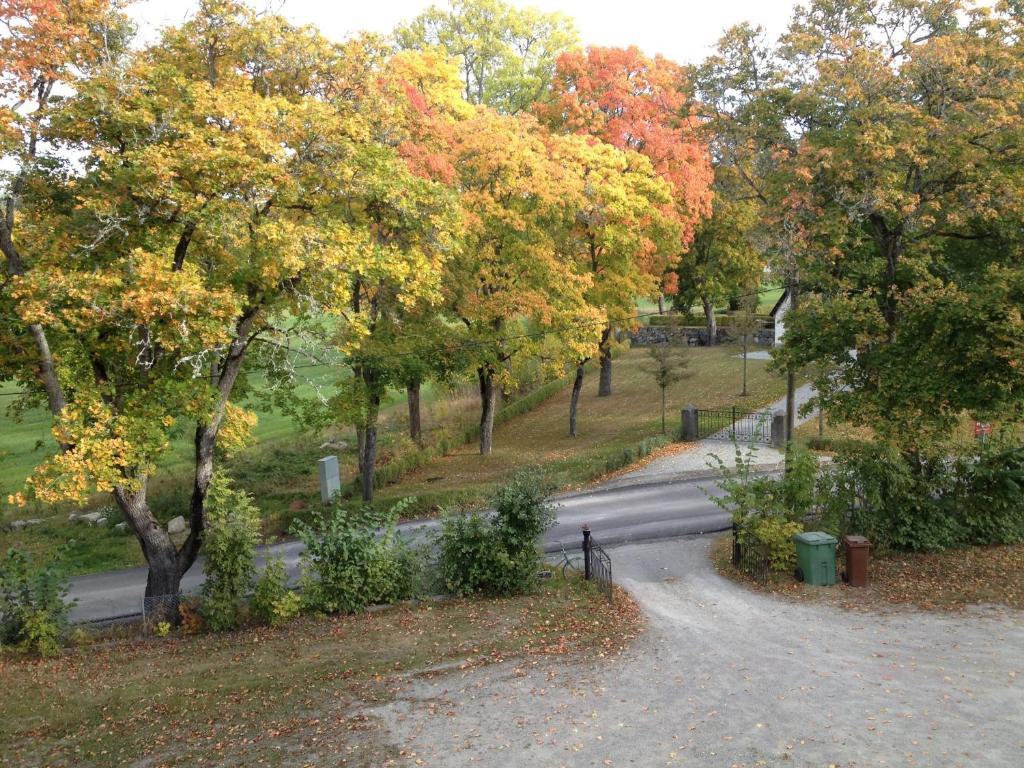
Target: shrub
[(347, 566), (776, 533), (191, 619), (271, 587), (989, 492), (899, 501), (40, 633), (33, 612), (229, 542), (496, 553)]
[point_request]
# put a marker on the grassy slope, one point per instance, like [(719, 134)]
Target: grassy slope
[(272, 696), (607, 425)]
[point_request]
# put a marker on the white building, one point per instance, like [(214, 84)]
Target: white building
[(778, 314)]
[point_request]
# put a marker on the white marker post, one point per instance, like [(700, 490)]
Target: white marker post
[(330, 478)]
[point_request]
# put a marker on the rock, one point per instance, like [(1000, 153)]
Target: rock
[(17, 525), (177, 525), (100, 521), (92, 518), (121, 526), (334, 445)]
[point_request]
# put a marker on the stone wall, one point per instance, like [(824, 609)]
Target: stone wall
[(685, 335)]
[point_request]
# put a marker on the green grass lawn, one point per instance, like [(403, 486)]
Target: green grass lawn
[(280, 470), (291, 695), (607, 426)]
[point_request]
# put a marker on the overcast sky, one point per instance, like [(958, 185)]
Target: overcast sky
[(685, 30)]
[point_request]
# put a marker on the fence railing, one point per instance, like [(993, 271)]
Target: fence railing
[(159, 608), (734, 424), (597, 565), (752, 559)]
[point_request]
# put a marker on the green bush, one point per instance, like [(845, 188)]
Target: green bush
[(230, 536), (776, 533), (33, 612), (990, 495), (41, 633), (271, 590), (899, 501), (496, 553), (347, 566)]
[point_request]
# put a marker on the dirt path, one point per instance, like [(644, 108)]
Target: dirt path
[(725, 677)]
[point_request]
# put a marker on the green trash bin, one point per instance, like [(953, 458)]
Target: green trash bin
[(816, 558)]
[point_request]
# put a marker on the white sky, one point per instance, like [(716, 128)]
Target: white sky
[(685, 30)]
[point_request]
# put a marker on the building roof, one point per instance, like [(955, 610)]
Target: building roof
[(783, 299)]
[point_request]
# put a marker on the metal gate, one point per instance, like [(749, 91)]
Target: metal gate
[(597, 565), (734, 424)]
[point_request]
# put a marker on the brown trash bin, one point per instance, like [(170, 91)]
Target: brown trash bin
[(856, 549)]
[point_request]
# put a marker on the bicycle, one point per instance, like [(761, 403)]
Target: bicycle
[(569, 562)]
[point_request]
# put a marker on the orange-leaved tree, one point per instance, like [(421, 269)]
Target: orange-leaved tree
[(636, 102)]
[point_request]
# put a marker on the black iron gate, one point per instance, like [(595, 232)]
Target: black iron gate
[(597, 565), (734, 424)]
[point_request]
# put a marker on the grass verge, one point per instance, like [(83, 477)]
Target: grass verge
[(298, 694), (943, 581)]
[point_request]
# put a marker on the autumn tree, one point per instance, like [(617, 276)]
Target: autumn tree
[(45, 48), (906, 196), (621, 230), (509, 284), (206, 207), (638, 103), (409, 220), (506, 55)]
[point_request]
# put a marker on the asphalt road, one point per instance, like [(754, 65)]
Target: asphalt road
[(618, 515)]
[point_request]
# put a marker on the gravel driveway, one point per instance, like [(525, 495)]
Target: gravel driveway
[(726, 677)]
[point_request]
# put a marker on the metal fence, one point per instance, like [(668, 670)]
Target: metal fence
[(734, 424), (752, 559), (597, 565), (160, 608)]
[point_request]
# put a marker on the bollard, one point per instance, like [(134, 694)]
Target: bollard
[(779, 436), (586, 552), (689, 431), (330, 478)]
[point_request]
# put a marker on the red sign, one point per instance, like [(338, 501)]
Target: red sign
[(982, 428)]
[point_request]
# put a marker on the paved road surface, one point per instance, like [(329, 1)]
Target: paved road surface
[(724, 676)]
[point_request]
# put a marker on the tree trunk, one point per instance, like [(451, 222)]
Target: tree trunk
[(663, 429), (225, 376), (164, 577), (744, 366), (487, 405), (712, 322), (55, 397), (791, 377), (412, 393), (368, 460), (604, 384), (574, 401), (661, 303)]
